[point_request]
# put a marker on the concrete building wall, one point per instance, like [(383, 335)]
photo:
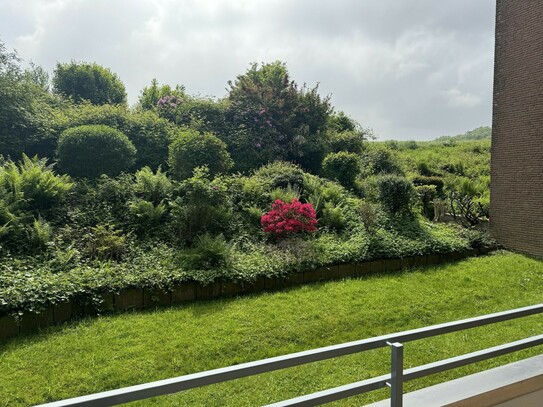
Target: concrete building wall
[(516, 208)]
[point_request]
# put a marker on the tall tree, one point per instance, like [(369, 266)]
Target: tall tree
[(25, 108), (275, 119), (83, 81)]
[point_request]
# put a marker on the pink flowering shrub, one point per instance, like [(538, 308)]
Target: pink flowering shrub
[(289, 218)]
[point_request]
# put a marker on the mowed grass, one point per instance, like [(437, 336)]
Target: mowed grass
[(109, 352)]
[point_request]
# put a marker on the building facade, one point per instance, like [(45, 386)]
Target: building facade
[(516, 206)]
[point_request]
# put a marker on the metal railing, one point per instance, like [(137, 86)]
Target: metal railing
[(394, 380)]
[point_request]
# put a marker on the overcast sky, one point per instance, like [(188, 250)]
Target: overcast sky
[(409, 69)]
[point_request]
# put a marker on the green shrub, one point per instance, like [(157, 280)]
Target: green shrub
[(153, 187), (343, 167), (92, 150), (395, 193), (82, 81), (147, 214), (26, 108), (32, 184), (204, 206), (349, 141), (427, 194), (281, 174), (150, 134), (332, 217), (370, 215), (192, 149), (103, 201), (318, 191), (209, 252), (456, 168), (40, 233), (424, 169), (435, 181), (287, 194), (105, 242), (381, 161)]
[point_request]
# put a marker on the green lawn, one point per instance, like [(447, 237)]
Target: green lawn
[(108, 352)]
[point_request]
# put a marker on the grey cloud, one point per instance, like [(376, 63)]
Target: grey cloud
[(410, 69)]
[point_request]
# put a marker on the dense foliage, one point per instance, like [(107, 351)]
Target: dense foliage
[(276, 119), (192, 149), (288, 219), (185, 188), (88, 82), (92, 150), (26, 108), (343, 167)]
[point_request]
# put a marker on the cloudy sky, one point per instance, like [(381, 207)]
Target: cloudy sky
[(409, 69)]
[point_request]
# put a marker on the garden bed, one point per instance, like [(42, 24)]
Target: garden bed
[(151, 297)]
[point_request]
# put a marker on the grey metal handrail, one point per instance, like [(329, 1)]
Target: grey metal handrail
[(395, 380)]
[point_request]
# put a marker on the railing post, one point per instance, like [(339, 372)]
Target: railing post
[(396, 375)]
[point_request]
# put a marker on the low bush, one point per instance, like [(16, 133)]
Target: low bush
[(281, 174), (209, 252), (92, 150), (370, 215), (153, 187), (287, 194), (381, 161), (395, 193), (150, 134), (333, 217), (32, 184), (204, 205), (30, 191), (147, 215), (435, 181), (287, 219), (192, 149), (343, 167), (348, 141), (105, 242), (427, 194)]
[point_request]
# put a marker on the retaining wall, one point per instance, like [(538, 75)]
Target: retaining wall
[(140, 298)]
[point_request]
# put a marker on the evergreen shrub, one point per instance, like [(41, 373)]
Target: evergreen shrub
[(92, 150), (192, 149), (343, 167), (395, 193)]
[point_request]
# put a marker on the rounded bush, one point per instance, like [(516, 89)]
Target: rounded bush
[(92, 150), (192, 149), (350, 141), (150, 134), (281, 174), (436, 181), (395, 193), (287, 219), (381, 161), (343, 167)]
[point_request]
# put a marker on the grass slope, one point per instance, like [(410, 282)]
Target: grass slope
[(120, 350)]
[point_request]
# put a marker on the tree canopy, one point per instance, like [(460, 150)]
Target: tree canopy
[(25, 107), (279, 119), (91, 82)]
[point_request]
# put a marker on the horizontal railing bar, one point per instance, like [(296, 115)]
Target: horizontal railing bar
[(174, 385), (365, 386), (337, 393), (469, 358)]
